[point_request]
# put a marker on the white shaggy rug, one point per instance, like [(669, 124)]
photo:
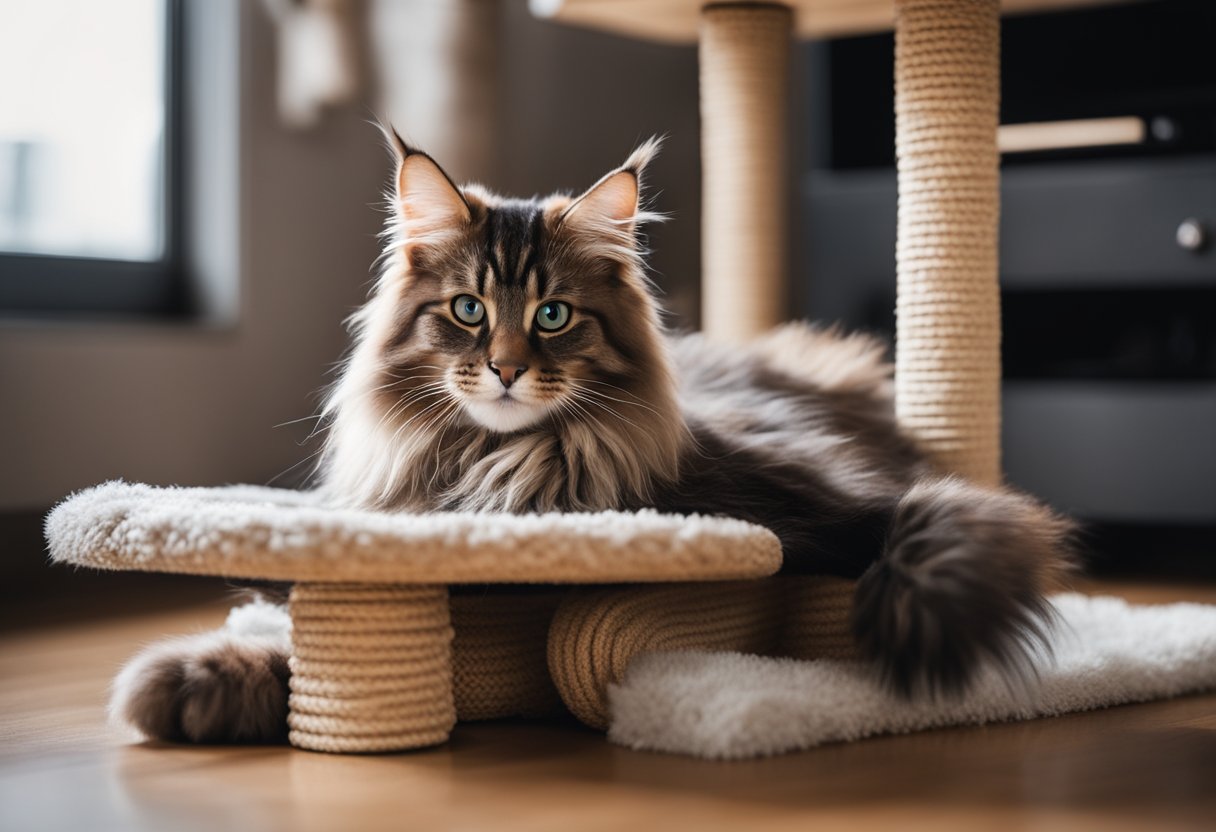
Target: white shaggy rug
[(734, 706)]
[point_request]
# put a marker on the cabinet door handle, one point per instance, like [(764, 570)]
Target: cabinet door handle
[(1192, 234)]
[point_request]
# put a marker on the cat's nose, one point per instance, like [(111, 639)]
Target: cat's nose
[(507, 373)]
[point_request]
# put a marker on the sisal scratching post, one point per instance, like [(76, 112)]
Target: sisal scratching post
[(744, 58), (947, 358), (371, 667)]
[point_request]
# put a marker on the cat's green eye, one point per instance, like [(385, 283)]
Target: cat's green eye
[(468, 310), (553, 315)]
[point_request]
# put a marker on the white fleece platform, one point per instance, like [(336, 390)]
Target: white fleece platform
[(254, 532), (734, 706)]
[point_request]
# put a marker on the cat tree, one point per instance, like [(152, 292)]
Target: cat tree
[(373, 663)]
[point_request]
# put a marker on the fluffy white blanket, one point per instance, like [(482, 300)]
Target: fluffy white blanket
[(732, 706)]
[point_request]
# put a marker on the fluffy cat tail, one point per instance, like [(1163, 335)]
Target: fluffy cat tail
[(961, 584)]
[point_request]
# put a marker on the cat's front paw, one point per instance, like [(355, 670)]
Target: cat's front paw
[(213, 687)]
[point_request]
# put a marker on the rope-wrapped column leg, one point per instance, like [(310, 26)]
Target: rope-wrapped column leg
[(947, 364), (595, 634), (371, 667), (744, 58)]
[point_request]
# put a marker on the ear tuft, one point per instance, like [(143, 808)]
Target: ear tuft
[(640, 158)]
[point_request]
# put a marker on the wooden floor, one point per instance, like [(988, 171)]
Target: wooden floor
[(1145, 767)]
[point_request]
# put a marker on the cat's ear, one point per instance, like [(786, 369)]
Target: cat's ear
[(427, 202), (611, 208)]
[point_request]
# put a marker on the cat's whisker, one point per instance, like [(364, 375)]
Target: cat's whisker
[(584, 413), (392, 413), (395, 382), (417, 436), (320, 425), (400, 380), (397, 379), (566, 410), (430, 385), (415, 396), (639, 402), (415, 388), (577, 392), (411, 369), (452, 414), (606, 397), (297, 421), (596, 419), (323, 421), (420, 393), (419, 415), (291, 468)]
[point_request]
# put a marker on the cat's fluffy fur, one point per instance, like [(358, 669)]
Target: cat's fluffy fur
[(229, 685), (795, 431), (401, 435)]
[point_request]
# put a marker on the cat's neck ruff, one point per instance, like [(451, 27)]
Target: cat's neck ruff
[(557, 465)]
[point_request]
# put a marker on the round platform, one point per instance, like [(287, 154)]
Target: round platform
[(252, 532)]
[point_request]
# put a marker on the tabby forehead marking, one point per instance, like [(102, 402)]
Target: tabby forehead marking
[(513, 243)]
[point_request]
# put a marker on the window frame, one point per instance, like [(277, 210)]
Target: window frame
[(53, 285)]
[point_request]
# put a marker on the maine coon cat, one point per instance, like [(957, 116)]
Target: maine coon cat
[(511, 357)]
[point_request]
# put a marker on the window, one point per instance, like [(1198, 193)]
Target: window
[(88, 157)]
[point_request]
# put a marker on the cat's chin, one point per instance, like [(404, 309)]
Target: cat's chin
[(504, 415)]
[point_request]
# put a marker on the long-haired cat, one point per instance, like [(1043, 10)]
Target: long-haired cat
[(511, 357)]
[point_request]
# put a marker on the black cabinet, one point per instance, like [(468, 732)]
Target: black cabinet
[(1108, 253)]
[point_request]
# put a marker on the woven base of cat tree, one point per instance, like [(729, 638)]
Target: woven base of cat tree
[(373, 651), (595, 634), (500, 665), (371, 667)]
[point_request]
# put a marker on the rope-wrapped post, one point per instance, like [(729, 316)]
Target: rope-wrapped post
[(371, 667), (744, 59), (947, 357)]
